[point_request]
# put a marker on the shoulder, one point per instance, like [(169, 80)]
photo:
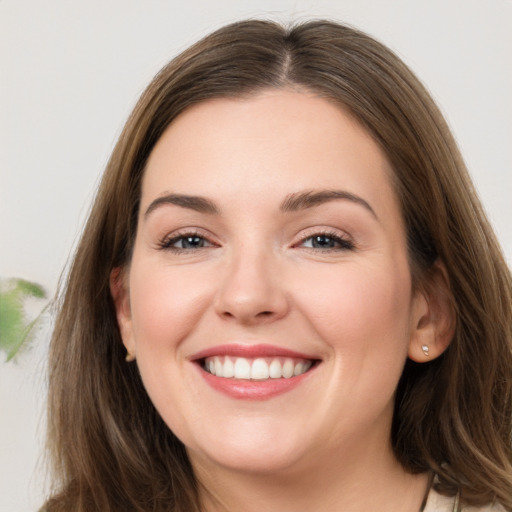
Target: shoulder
[(439, 503)]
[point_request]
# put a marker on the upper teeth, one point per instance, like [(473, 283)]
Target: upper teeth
[(256, 369)]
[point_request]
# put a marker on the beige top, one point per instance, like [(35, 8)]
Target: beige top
[(438, 503)]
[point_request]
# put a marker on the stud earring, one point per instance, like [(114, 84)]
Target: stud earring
[(129, 357), (425, 350)]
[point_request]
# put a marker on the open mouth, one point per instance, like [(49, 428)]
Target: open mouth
[(254, 372), (258, 369)]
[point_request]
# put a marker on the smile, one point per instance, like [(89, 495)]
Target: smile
[(256, 369), (254, 372)]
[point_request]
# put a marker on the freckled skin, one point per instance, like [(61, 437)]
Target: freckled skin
[(257, 279)]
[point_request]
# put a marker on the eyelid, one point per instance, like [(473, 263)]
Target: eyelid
[(345, 239), (342, 236), (165, 242)]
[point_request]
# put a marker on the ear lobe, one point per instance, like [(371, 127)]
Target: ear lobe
[(434, 316), (121, 297)]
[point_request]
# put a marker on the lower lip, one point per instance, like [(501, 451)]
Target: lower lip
[(253, 389)]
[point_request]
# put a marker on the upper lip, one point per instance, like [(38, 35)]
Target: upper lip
[(250, 352)]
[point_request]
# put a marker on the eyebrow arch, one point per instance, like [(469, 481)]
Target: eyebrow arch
[(311, 198), (197, 203)]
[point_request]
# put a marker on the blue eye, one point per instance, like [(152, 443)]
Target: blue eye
[(327, 242), (186, 242), (190, 242)]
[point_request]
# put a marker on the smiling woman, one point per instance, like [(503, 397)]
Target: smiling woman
[(314, 284), (288, 245)]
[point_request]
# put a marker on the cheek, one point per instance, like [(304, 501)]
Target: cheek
[(165, 305), (363, 310)]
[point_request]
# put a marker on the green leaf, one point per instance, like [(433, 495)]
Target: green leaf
[(32, 289), (11, 320), (15, 328)]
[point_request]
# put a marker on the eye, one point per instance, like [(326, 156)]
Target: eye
[(185, 242), (326, 242)]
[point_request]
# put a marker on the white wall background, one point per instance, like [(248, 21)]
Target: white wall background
[(71, 71)]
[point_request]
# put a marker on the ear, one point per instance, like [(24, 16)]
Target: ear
[(434, 318), (121, 296)]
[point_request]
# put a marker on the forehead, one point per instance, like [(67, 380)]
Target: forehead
[(276, 142)]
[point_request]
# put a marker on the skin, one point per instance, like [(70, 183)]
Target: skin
[(256, 277)]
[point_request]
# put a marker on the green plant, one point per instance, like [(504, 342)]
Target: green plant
[(16, 329)]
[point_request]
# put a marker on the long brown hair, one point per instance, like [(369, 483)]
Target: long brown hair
[(112, 451)]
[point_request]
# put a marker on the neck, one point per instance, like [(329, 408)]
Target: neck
[(372, 480)]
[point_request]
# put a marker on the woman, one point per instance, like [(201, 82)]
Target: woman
[(287, 243)]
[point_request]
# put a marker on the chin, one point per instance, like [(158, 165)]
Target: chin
[(249, 461), (257, 450)]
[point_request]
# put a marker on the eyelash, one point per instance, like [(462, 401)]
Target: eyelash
[(343, 244), (167, 243)]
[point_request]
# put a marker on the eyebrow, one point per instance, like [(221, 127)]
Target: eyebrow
[(293, 202), (311, 198), (197, 203)]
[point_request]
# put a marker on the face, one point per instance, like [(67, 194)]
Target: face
[(269, 301)]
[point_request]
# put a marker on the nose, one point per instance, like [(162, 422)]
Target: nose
[(251, 291)]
